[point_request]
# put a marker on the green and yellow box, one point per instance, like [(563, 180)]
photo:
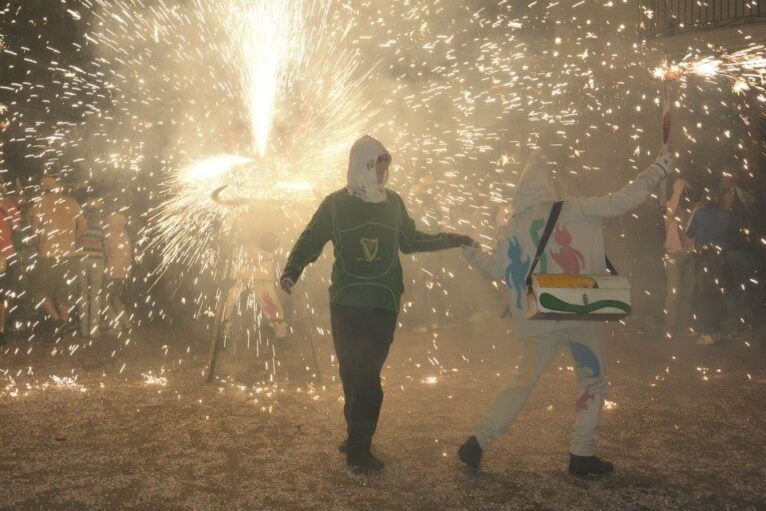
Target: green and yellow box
[(578, 297)]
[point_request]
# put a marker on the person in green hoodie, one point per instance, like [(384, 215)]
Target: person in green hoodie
[(368, 225)]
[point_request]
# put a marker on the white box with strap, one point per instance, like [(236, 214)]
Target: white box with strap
[(559, 296)]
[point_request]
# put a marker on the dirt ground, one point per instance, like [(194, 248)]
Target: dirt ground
[(98, 427)]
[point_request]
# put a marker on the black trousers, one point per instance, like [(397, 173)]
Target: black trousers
[(362, 337), (711, 282)]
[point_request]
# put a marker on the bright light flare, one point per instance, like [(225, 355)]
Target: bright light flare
[(303, 106), (264, 35), (210, 169)]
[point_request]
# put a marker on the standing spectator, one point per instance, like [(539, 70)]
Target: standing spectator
[(56, 221), (679, 264), (119, 260), (709, 227), (739, 256), (645, 265), (91, 248), (10, 223)]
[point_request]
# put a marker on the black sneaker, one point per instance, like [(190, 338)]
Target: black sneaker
[(364, 462), (343, 447), (470, 453), (581, 466)]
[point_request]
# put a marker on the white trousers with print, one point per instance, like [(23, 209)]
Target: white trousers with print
[(265, 294), (586, 344)]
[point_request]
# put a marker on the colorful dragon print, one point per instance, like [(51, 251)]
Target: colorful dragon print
[(585, 358), (516, 272), (569, 259), (581, 405)]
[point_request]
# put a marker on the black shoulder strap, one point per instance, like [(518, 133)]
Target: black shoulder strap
[(609, 266), (552, 219)]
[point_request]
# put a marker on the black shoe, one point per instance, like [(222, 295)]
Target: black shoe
[(343, 447), (470, 453), (589, 465), (364, 462)]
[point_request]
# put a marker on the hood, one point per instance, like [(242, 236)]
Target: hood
[(535, 185), (362, 180)]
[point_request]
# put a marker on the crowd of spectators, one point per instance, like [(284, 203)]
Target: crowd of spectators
[(64, 266), (715, 259)]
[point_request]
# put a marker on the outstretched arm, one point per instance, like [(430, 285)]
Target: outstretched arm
[(675, 200), (629, 197), (309, 245), (411, 240)]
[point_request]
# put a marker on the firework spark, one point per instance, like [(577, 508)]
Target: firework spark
[(148, 96), (745, 68), (264, 35), (150, 379), (303, 105)]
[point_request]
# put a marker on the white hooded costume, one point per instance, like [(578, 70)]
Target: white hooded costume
[(576, 246), (362, 176)]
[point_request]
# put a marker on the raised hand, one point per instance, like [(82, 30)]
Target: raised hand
[(665, 162)]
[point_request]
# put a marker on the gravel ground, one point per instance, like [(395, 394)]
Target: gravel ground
[(97, 429)]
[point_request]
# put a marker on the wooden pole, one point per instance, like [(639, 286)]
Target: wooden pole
[(217, 326)]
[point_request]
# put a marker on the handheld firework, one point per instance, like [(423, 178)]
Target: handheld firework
[(666, 120), (667, 75)]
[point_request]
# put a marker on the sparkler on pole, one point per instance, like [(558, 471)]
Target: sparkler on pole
[(665, 126), (666, 119)]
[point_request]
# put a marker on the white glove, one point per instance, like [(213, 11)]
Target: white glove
[(664, 163)]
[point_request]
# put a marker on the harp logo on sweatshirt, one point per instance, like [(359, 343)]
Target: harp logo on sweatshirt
[(369, 248)]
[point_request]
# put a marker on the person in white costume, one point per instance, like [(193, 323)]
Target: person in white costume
[(576, 246), (251, 270)]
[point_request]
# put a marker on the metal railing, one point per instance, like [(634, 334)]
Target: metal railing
[(668, 17)]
